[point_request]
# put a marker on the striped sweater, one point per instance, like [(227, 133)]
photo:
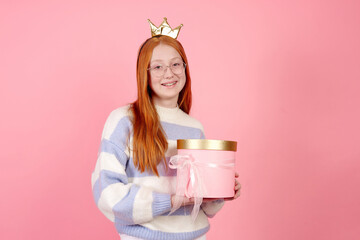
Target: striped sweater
[(139, 203)]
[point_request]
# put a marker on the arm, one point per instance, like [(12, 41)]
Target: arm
[(114, 195), (211, 207)]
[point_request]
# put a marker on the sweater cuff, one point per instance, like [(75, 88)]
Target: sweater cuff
[(161, 203)]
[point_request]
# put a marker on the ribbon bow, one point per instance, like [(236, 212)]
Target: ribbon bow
[(189, 182)]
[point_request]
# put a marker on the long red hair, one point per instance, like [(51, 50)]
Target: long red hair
[(149, 140)]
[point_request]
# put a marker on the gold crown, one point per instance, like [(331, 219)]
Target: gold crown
[(164, 29)]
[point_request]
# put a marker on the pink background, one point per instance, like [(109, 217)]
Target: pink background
[(280, 77)]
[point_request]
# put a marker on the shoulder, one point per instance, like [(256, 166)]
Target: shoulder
[(118, 118), (120, 113)]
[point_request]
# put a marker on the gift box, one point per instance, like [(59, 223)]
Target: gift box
[(205, 168)]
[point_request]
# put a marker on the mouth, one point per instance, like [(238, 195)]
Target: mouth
[(169, 84)]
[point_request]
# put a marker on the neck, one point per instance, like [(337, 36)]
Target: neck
[(166, 103)]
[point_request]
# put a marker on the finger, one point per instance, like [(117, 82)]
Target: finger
[(237, 195), (237, 186), (237, 182)]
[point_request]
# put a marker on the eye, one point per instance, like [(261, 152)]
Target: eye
[(176, 64), (157, 67)]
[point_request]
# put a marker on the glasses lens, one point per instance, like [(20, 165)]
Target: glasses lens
[(158, 70), (177, 67)]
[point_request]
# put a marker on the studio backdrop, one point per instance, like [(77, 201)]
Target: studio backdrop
[(279, 77)]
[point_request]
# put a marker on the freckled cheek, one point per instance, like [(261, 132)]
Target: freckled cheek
[(183, 78), (154, 81)]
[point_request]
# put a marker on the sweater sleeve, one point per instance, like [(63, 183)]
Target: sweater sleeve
[(116, 197)]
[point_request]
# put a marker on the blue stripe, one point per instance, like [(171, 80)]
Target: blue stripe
[(105, 179), (172, 130), (133, 172), (123, 210), (109, 147), (175, 132), (118, 141), (121, 132), (96, 191), (183, 211), (145, 233)]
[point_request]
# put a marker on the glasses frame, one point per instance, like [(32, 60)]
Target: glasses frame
[(166, 67)]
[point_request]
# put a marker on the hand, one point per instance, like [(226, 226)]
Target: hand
[(190, 201), (236, 189), (185, 201)]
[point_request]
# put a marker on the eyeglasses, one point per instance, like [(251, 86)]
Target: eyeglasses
[(159, 70)]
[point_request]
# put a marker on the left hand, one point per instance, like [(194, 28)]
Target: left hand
[(236, 189)]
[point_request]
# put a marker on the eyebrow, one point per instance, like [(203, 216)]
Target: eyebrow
[(159, 60)]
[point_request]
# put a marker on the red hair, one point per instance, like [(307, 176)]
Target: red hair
[(149, 140)]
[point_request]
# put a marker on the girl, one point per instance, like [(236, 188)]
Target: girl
[(132, 183)]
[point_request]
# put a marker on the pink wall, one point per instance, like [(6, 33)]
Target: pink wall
[(280, 77)]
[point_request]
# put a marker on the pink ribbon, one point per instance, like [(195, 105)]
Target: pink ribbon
[(190, 178)]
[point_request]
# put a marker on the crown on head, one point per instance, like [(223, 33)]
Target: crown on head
[(164, 29)]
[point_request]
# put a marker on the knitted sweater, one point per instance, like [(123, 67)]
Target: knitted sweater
[(139, 203)]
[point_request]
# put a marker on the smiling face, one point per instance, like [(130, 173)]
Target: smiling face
[(166, 88)]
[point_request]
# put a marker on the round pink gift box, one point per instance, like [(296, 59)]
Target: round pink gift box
[(215, 163)]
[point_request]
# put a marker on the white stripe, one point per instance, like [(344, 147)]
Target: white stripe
[(106, 161), (142, 210), (110, 196), (178, 224), (181, 119), (113, 119), (160, 184), (127, 237)]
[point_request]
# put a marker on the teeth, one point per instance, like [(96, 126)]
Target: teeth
[(169, 84)]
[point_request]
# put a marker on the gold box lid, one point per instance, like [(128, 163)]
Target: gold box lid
[(207, 144)]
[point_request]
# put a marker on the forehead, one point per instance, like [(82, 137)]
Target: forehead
[(163, 52)]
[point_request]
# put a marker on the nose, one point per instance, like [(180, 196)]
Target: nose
[(168, 73)]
